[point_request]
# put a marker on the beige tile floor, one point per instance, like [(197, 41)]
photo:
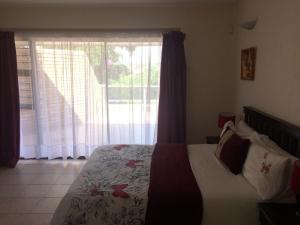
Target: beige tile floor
[(30, 193)]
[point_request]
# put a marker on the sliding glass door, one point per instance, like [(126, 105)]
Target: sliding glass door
[(78, 93)]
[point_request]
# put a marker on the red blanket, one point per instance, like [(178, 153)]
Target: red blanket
[(174, 196)]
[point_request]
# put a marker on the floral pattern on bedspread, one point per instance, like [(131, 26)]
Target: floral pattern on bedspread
[(111, 189)]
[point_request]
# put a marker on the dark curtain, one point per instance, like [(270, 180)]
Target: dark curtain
[(9, 102), (172, 99)]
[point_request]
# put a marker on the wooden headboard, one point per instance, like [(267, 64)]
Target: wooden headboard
[(286, 135)]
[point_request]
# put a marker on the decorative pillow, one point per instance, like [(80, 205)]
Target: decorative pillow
[(223, 140), (232, 151), (228, 126), (266, 171)]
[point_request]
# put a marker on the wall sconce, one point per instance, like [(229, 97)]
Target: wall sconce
[(248, 25)]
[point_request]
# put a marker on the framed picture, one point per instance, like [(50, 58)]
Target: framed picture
[(248, 61)]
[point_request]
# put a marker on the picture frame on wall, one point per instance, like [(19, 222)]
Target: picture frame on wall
[(248, 62)]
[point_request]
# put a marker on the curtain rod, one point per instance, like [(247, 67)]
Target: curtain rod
[(120, 30)]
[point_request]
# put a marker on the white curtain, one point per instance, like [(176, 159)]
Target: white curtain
[(87, 92)]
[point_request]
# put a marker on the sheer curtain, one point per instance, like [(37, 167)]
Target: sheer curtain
[(87, 92)]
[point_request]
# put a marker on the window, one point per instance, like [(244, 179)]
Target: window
[(77, 93), (24, 74)]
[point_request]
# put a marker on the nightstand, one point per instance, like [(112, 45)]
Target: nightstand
[(278, 214), (212, 139)]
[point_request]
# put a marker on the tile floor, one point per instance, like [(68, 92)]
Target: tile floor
[(30, 193)]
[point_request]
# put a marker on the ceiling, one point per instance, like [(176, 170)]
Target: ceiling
[(114, 1)]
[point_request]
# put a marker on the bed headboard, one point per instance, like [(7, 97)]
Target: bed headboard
[(286, 135)]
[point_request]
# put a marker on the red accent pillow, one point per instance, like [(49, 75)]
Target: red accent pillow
[(234, 152)]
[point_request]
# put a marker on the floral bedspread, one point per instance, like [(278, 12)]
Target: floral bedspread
[(112, 188)]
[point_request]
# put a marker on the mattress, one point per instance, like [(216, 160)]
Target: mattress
[(228, 199)]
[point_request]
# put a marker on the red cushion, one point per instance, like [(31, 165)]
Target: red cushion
[(234, 153)]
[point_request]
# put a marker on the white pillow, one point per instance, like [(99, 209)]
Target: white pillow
[(271, 145), (244, 129), (266, 171), (274, 148)]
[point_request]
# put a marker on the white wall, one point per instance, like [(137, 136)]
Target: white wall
[(210, 49), (276, 88)]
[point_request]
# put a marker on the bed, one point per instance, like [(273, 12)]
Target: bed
[(113, 187)]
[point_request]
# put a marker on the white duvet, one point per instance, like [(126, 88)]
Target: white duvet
[(228, 199)]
